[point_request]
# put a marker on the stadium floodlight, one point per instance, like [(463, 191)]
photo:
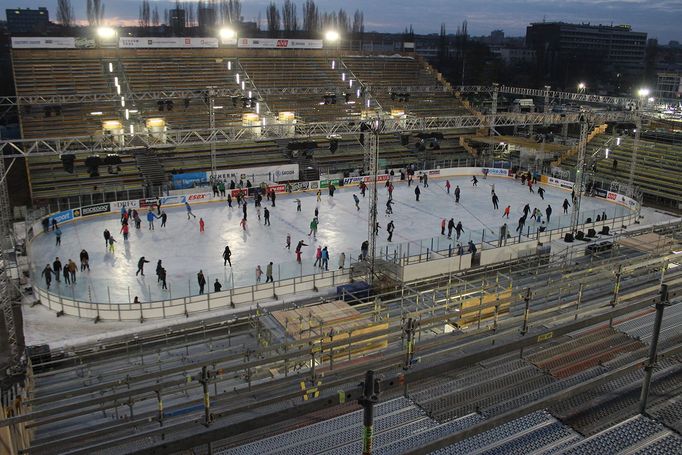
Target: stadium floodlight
[(581, 86), (106, 32), (651, 99), (227, 33), (606, 152), (643, 92), (332, 36), (96, 113)]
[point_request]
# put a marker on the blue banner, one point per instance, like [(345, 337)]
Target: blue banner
[(61, 217), (189, 180)]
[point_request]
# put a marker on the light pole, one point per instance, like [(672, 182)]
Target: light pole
[(581, 87)]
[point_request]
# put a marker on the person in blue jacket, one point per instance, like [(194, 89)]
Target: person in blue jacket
[(150, 219)]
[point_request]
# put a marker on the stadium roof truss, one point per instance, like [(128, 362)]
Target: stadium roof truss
[(124, 143)]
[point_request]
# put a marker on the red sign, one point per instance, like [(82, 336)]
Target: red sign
[(277, 188), (612, 196), (144, 203), (282, 43), (196, 197)]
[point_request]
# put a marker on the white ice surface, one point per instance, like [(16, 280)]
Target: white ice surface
[(184, 250)]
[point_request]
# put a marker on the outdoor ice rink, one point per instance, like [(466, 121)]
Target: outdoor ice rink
[(184, 250)]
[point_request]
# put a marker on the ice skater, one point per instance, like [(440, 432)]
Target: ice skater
[(158, 270), (288, 244), (150, 219), (548, 212), (202, 225), (459, 229), (376, 228), (457, 193), (189, 210), (390, 227), (507, 209), (266, 217), (389, 207), (325, 259), (447, 186), (112, 242), (474, 180), (541, 193), (162, 277), (107, 234), (566, 205), (273, 196), (442, 226), (496, 200), (298, 250), (417, 192), (58, 235), (164, 217), (217, 286), (522, 223), (268, 273), (363, 188), (72, 271), (244, 210), (451, 226), (318, 257), (242, 224), (67, 275), (298, 205), (229, 200), (342, 260), (530, 186), (227, 254), (57, 268), (313, 228), (125, 231), (259, 273), (140, 266), (47, 273), (201, 280), (85, 260), (357, 201), (526, 210), (319, 195)]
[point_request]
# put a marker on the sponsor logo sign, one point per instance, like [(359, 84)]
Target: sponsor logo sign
[(277, 188), (92, 209), (149, 202), (116, 206), (612, 196), (562, 183), (61, 217), (156, 42), (265, 43), (434, 172), (298, 186), (43, 43), (600, 192), (495, 171)]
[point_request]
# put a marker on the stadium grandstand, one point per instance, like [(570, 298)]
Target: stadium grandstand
[(559, 337)]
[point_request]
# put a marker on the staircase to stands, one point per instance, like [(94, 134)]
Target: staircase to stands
[(150, 168)]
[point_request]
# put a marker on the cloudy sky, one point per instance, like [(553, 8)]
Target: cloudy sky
[(659, 18)]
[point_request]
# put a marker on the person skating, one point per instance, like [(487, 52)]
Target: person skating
[(530, 186), (507, 209), (389, 207), (332, 188), (459, 229), (189, 210), (242, 224), (442, 226), (451, 226), (298, 250), (272, 197), (447, 186), (268, 273), (67, 274), (72, 271), (162, 277), (318, 257), (342, 260), (457, 193), (526, 210), (266, 217), (259, 273), (376, 228), (474, 180), (85, 260), (227, 254), (201, 280), (319, 195), (47, 273), (357, 201), (390, 227), (496, 201), (58, 235), (112, 241), (158, 270), (125, 230), (221, 188), (202, 225), (417, 192), (140, 266), (217, 286), (138, 221), (363, 188), (298, 205), (522, 223), (426, 180), (325, 258), (288, 244), (229, 200), (504, 233), (107, 234), (313, 228), (541, 193), (390, 191), (566, 205), (244, 210), (57, 268)]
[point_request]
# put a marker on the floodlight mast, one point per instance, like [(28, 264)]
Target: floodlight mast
[(579, 184), (376, 126)]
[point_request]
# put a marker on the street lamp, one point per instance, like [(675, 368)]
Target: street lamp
[(581, 87), (227, 34), (106, 33), (643, 92)]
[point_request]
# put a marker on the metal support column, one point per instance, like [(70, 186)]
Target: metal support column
[(211, 125), (493, 107), (6, 291), (372, 154), (651, 362), (633, 160), (578, 187), (370, 397), (545, 107)]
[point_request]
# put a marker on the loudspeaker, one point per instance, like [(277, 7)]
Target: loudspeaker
[(568, 237)]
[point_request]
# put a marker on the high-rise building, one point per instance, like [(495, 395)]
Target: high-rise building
[(563, 49), (26, 20), (669, 85), (176, 19)]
